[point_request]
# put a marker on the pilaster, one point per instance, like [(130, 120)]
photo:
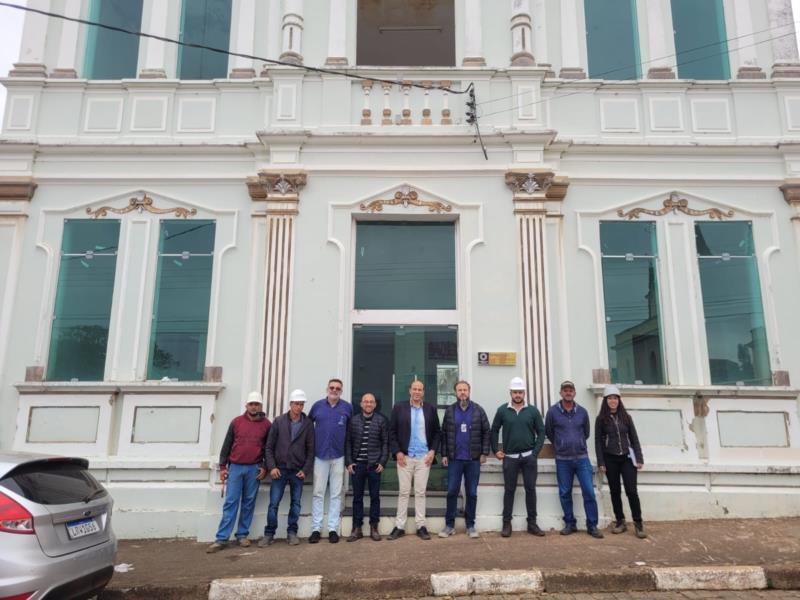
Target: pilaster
[(155, 14), (243, 39), (337, 34), (571, 33), (746, 51), (473, 35), (292, 49), (66, 63), (786, 62), (661, 45), (521, 34), (34, 39)]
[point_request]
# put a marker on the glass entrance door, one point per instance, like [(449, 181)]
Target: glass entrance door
[(388, 358)]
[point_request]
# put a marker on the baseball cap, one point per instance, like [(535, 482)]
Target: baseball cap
[(297, 396), (517, 383), (567, 384), (254, 397), (611, 390)]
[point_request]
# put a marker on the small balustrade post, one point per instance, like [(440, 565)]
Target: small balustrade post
[(406, 113), (446, 119), (426, 107), (366, 112), (387, 108)]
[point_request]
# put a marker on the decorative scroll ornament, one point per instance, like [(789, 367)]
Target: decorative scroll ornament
[(406, 199), (676, 204), (544, 185), (145, 203)]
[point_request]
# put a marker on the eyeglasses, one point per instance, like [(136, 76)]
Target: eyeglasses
[(334, 388)]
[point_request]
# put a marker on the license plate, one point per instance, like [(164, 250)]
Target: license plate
[(82, 527)]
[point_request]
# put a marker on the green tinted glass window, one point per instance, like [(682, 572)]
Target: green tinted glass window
[(405, 266), (82, 312), (734, 316), (700, 39), (612, 39), (630, 290), (111, 54), (206, 22), (182, 300)]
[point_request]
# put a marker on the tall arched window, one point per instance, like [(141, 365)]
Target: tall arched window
[(700, 39), (612, 39), (206, 22)]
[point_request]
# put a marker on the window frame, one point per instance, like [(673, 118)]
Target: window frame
[(636, 59), (181, 49), (90, 43)]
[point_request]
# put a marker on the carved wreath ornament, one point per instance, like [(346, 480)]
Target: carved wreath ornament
[(676, 204), (406, 199), (145, 203)]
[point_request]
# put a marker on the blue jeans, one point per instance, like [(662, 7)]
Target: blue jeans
[(241, 487), (470, 470), (276, 490), (362, 475), (565, 474)]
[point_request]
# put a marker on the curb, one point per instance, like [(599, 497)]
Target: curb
[(710, 578), (279, 588)]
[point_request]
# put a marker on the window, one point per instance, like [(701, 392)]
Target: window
[(700, 39), (111, 54), (630, 289), (406, 33), (612, 39), (737, 340), (82, 312), (405, 266), (182, 300), (206, 22)]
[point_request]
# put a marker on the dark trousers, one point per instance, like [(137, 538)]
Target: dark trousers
[(511, 469), (288, 477), (621, 466), (470, 471), (364, 474)]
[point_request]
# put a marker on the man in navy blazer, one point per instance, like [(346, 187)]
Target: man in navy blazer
[(414, 434)]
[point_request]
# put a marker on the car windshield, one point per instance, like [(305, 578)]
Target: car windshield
[(53, 483)]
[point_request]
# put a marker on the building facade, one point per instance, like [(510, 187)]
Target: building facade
[(179, 227)]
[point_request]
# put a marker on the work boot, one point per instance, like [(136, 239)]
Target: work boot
[(506, 532), (640, 532), (620, 526), (535, 530), (216, 547), (314, 537), (243, 542), (374, 534), (396, 533), (265, 541), (595, 533), (355, 534), (568, 529), (292, 539)]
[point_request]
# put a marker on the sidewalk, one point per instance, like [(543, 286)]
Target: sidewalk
[(403, 568)]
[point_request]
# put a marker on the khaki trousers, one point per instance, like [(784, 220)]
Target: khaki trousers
[(417, 471)]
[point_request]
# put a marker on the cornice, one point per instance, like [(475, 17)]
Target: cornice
[(17, 189)]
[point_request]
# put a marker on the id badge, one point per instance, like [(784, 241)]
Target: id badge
[(463, 428)]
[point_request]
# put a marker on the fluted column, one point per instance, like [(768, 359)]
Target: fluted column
[(745, 51), (473, 35), (661, 40), (281, 193), (521, 34), (534, 193), (155, 51), (243, 39), (32, 47), (66, 62), (571, 34), (786, 62), (337, 34), (292, 34)]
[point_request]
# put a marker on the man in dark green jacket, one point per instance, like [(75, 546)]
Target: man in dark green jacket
[(523, 438)]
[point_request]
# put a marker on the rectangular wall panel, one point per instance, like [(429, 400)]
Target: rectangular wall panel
[(58, 424)]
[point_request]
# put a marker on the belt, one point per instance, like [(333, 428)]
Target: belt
[(525, 454)]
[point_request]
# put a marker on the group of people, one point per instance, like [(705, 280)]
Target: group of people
[(331, 439)]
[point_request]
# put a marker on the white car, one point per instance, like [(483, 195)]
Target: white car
[(56, 540)]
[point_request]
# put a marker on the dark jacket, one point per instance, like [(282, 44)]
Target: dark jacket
[(615, 437), (244, 442), (377, 444), (400, 428), (284, 453), (568, 431), (479, 432)]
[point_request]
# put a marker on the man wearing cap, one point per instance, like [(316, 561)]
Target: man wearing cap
[(523, 438), (331, 415), (241, 467), (567, 428), (289, 455)]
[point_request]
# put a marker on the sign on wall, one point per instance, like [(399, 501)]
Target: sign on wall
[(497, 359)]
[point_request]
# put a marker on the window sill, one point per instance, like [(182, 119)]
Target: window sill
[(105, 387), (702, 391)]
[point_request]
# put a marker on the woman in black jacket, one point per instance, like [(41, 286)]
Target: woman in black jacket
[(619, 454)]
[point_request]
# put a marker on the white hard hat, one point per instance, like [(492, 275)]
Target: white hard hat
[(254, 397), (297, 396), (517, 383), (611, 390)]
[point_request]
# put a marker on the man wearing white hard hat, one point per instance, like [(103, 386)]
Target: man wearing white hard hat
[(523, 438), (289, 455), (242, 467)]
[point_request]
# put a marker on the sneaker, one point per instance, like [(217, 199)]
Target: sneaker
[(595, 533), (506, 532), (534, 529), (472, 532), (333, 537), (243, 542), (396, 533), (355, 534), (568, 529), (619, 526), (292, 539), (265, 541), (374, 533), (640, 532), (447, 532), (422, 533), (216, 547), (314, 537)]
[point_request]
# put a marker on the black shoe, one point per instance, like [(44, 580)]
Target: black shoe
[(396, 533), (314, 537), (534, 530), (333, 537), (506, 532), (640, 532), (422, 533), (619, 526), (595, 533), (568, 529)]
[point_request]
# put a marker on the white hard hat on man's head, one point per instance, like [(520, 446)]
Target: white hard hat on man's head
[(517, 383), (297, 396), (254, 397)]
